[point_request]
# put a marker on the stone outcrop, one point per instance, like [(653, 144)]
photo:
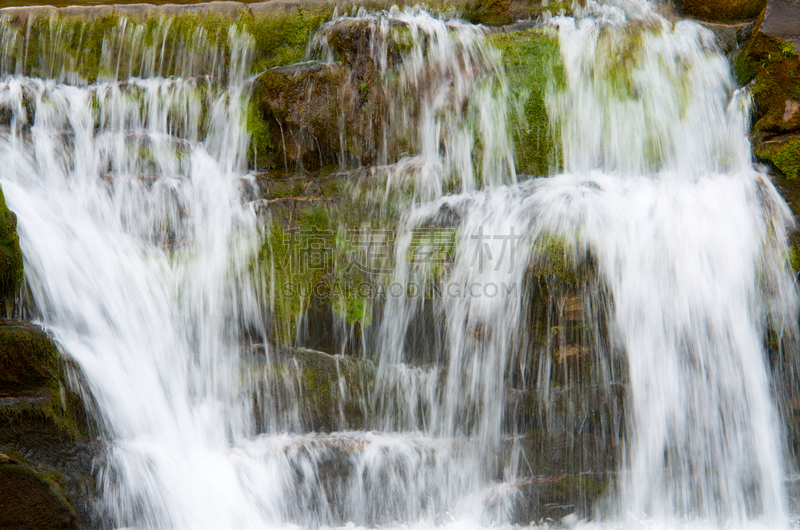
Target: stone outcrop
[(305, 104), (782, 21), (45, 444), (720, 10), (769, 62), (331, 112), (34, 498), (495, 12)]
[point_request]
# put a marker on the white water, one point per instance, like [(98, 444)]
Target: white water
[(137, 252), (448, 99)]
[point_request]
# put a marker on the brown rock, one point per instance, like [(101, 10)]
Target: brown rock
[(28, 359), (19, 16), (721, 10), (33, 499), (312, 102), (303, 102), (770, 63)]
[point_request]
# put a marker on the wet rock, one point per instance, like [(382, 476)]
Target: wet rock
[(135, 11), (769, 62), (721, 10), (501, 12), (44, 420), (730, 37), (532, 60), (87, 13), (34, 498), (321, 392), (554, 497), (352, 41), (305, 104), (19, 17), (331, 112), (10, 257), (28, 359), (230, 10)]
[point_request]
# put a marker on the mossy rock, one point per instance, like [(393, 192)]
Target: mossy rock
[(501, 12), (37, 405), (784, 154), (28, 358), (332, 389), (33, 498), (10, 254), (771, 67), (721, 10), (533, 62), (554, 497), (300, 105), (281, 37)]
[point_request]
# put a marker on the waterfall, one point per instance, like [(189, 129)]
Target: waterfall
[(655, 262)]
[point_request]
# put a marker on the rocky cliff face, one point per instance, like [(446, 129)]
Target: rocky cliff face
[(324, 157)]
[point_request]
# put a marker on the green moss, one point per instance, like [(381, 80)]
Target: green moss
[(293, 261), (787, 50), (70, 42), (490, 13), (10, 255), (533, 63), (76, 44), (262, 152), (282, 39), (321, 378), (34, 496), (776, 80), (553, 258), (32, 373), (794, 257), (28, 359), (784, 156), (576, 491)]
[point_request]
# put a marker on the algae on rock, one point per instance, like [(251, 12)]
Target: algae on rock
[(721, 10), (770, 66), (34, 498), (533, 63), (10, 257)]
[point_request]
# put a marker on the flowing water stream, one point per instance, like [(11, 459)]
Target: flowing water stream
[(139, 250)]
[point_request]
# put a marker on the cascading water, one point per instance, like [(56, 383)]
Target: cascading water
[(139, 258)]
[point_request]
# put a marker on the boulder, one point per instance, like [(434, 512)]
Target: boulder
[(782, 21), (721, 10), (321, 111), (28, 359), (44, 420), (769, 62), (302, 103), (33, 498)]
